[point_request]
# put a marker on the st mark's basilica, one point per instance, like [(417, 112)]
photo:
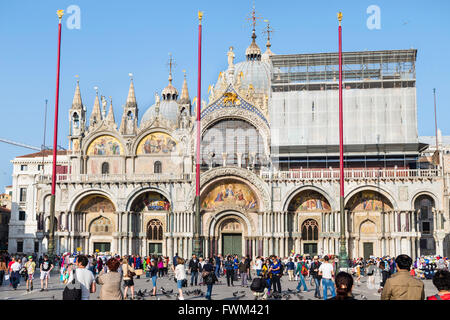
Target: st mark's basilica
[(269, 164)]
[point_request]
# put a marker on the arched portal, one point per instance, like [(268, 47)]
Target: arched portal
[(230, 233), (365, 224), (155, 237), (95, 214), (101, 234), (424, 206), (307, 211), (148, 212)]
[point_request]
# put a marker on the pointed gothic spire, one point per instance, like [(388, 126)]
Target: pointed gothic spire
[(184, 91), (131, 99), (110, 118), (77, 103), (96, 115)]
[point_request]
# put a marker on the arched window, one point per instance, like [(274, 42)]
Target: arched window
[(76, 120), (155, 230), (157, 167), (310, 230), (105, 168)]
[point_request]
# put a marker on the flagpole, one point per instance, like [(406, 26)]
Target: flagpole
[(197, 246), (343, 263), (51, 234)]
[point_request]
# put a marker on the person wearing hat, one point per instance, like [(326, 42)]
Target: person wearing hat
[(30, 267)]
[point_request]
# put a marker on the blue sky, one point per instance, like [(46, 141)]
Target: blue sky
[(118, 37)]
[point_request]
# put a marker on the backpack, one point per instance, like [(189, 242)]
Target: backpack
[(257, 285), (304, 270), (281, 269), (72, 293)]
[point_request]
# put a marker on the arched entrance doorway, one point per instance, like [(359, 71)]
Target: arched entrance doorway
[(148, 216), (366, 226), (312, 214), (230, 230), (310, 237), (367, 238), (155, 237), (424, 206), (101, 234), (94, 214)]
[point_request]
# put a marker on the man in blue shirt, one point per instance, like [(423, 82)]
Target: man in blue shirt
[(174, 261), (290, 266), (275, 269)]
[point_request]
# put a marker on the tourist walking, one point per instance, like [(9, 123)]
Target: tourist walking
[(180, 275), (209, 277), (194, 266), (128, 273), (154, 275), (275, 270), (401, 286), (326, 270), (3, 270), (84, 277), (111, 281), (302, 272), (14, 270), (229, 269), (290, 266), (243, 271), (314, 272), (30, 267)]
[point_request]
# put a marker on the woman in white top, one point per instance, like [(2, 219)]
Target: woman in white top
[(180, 275)]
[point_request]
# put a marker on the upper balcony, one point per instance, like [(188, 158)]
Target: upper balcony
[(380, 174)]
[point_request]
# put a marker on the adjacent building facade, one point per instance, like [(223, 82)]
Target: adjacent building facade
[(269, 162)]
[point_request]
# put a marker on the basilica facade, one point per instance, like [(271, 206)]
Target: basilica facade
[(130, 188)]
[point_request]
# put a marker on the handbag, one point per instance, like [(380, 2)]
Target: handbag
[(72, 293), (6, 277)]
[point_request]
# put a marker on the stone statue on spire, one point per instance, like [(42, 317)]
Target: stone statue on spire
[(230, 55)]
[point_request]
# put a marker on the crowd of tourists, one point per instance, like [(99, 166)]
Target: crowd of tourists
[(395, 278)]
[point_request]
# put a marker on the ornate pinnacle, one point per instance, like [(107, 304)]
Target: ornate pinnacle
[(60, 14), (339, 15)]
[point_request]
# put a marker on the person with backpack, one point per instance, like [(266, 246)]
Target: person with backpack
[(302, 272), (259, 288), (314, 272), (83, 279)]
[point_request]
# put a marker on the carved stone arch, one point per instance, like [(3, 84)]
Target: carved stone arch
[(82, 194), (215, 221), (437, 203), (373, 188), (259, 187), (42, 205), (365, 227), (145, 132), (297, 190), (241, 114), (109, 231), (96, 134), (136, 193)]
